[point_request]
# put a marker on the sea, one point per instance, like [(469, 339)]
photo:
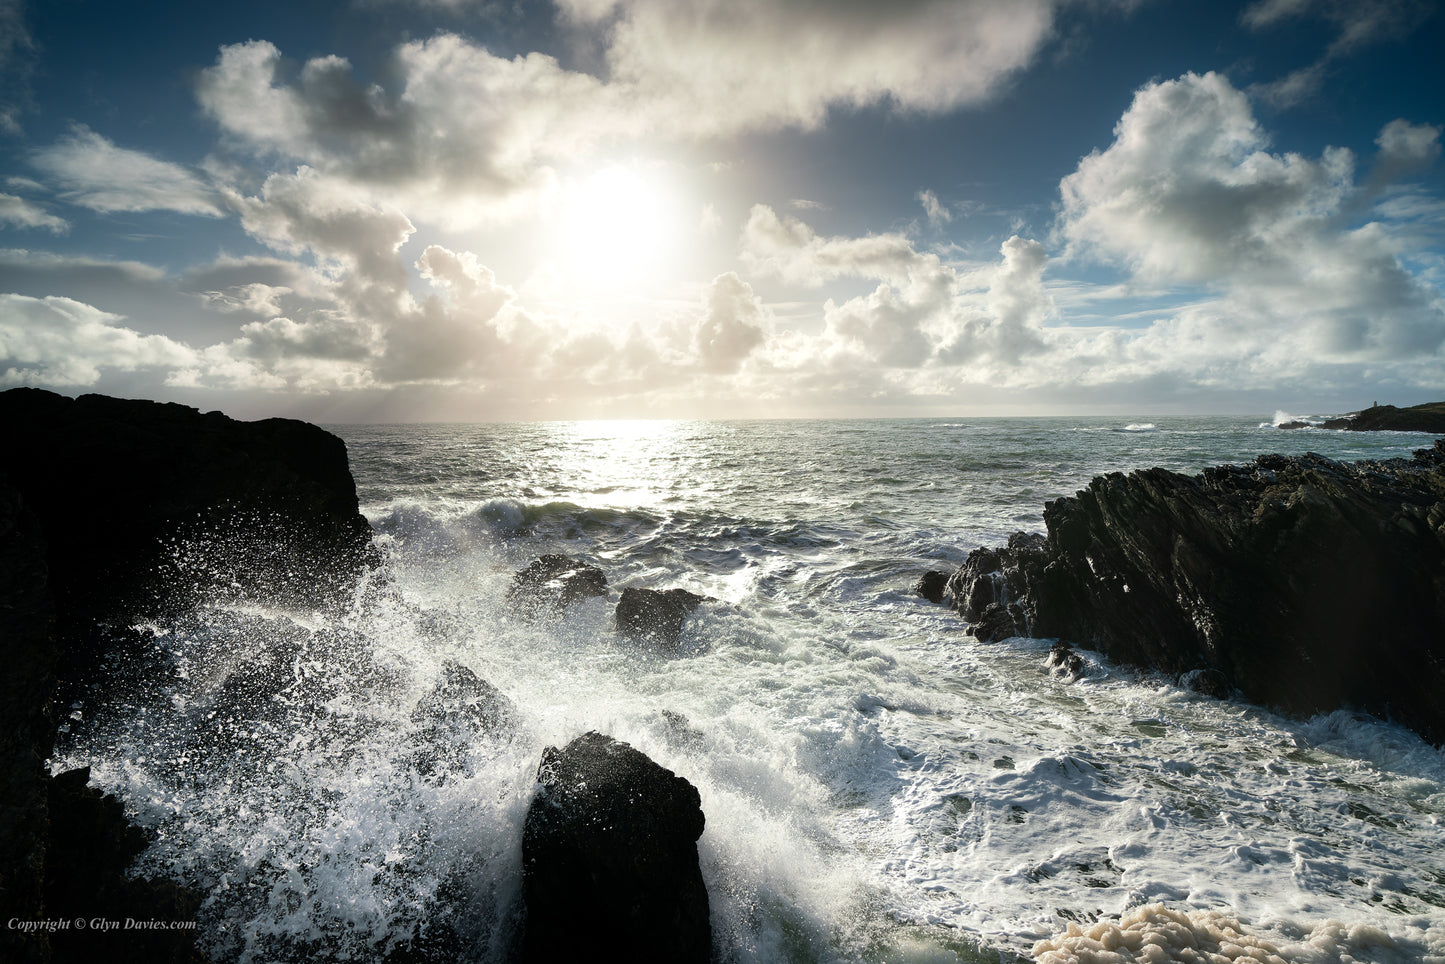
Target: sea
[(877, 784)]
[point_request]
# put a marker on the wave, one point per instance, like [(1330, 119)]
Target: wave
[(1140, 427)]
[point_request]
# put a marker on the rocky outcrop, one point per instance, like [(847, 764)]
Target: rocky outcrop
[(1429, 417), (1305, 583), (110, 509), (143, 503), (931, 585), (553, 582), (609, 859), (656, 615)]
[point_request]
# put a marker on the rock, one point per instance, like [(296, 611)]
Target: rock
[(932, 585), (655, 615), (1429, 417), (459, 709), (146, 506), (1307, 583), (552, 583), (1063, 661), (91, 845), (609, 858), (988, 586), (999, 621), (1207, 682)]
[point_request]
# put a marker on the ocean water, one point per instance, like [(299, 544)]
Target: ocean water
[(878, 786)]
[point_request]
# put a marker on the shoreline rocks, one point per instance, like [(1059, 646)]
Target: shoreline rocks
[(609, 859), (1305, 583), (1429, 417), (112, 508)]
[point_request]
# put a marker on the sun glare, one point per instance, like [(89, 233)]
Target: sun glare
[(615, 229)]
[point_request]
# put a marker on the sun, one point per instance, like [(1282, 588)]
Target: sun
[(616, 228)]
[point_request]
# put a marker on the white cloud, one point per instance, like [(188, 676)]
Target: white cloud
[(464, 136), (25, 214), (94, 173), (731, 327), (788, 249), (64, 343), (1188, 195), (938, 214)]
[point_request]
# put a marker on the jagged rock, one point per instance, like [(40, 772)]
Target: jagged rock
[(932, 585), (609, 859), (1307, 583), (655, 615), (1207, 682), (553, 582), (1063, 661)]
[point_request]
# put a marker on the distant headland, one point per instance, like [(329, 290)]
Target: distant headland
[(1429, 417)]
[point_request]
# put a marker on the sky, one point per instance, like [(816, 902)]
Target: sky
[(476, 210)]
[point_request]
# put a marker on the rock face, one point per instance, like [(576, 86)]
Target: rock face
[(1429, 417), (609, 858), (655, 615), (110, 507), (1305, 583), (931, 585), (553, 582), (138, 500)]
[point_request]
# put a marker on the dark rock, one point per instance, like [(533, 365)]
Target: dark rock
[(609, 859), (146, 506), (999, 621), (453, 714), (988, 588), (932, 585), (552, 583), (90, 847), (27, 727), (1063, 661), (1207, 682), (1429, 417), (655, 615), (1307, 583)]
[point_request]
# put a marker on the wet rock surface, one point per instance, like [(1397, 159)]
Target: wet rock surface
[(656, 615), (553, 582), (1305, 583), (1429, 417), (609, 859)]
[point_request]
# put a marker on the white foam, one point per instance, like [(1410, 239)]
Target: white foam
[(1159, 934)]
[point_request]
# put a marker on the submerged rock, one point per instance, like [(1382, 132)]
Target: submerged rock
[(656, 615), (552, 583), (1307, 583), (609, 859), (460, 708)]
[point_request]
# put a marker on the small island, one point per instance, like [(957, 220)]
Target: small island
[(1429, 417)]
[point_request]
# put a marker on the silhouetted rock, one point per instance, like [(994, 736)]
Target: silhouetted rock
[(1307, 583), (932, 585), (113, 510), (655, 615), (1429, 417), (145, 506), (609, 859), (553, 582)]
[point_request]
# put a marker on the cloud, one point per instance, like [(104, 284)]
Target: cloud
[(732, 326), (64, 343), (1187, 195), (938, 215), (93, 172), (463, 136), (16, 62), (720, 67), (788, 249), (1359, 23), (24, 214)]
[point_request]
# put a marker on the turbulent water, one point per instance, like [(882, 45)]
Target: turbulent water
[(877, 785)]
